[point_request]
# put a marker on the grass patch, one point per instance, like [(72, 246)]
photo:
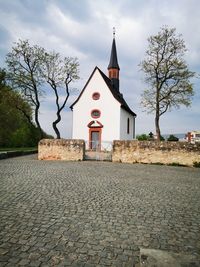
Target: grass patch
[(176, 164), (157, 163), (2, 149), (196, 164)]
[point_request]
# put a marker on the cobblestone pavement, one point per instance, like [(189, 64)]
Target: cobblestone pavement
[(95, 213)]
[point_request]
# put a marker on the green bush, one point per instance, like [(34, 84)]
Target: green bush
[(157, 163), (176, 164), (196, 164), (172, 138), (15, 129), (146, 137), (162, 138), (142, 137)]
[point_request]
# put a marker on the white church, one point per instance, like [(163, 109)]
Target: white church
[(100, 113)]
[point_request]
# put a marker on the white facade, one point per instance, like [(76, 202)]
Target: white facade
[(112, 122), (127, 125)]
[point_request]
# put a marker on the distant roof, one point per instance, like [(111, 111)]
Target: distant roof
[(198, 132), (117, 95), (113, 64)]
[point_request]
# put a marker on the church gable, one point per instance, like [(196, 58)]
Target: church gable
[(108, 82), (97, 84)]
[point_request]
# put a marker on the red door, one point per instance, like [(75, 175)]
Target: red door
[(95, 138)]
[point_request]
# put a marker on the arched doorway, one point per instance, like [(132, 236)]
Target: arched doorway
[(95, 138), (95, 132)]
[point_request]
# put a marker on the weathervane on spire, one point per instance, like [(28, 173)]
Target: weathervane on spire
[(113, 32)]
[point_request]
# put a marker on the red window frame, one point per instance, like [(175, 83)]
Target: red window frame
[(96, 96), (94, 116)]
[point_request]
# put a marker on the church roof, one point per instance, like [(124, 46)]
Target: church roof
[(113, 64), (117, 95)]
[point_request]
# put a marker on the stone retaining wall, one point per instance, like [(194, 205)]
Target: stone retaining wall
[(61, 149), (155, 152)]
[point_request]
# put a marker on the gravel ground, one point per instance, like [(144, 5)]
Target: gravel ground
[(95, 213)]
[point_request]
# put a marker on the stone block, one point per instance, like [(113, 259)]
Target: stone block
[(156, 152), (61, 149)]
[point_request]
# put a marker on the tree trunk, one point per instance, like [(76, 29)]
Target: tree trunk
[(157, 117), (37, 106), (59, 109), (56, 130), (37, 121), (157, 127), (54, 124)]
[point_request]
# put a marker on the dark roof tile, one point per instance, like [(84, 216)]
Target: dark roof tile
[(117, 95)]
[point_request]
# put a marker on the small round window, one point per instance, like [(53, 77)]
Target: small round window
[(95, 113), (95, 96)]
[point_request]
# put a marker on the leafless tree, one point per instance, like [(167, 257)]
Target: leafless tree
[(24, 72), (166, 74), (59, 73)]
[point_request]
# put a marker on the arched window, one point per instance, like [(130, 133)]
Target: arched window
[(128, 126)]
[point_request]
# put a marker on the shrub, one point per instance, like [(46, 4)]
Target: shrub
[(142, 137), (162, 138), (157, 163), (148, 137), (196, 164), (172, 138), (176, 164)]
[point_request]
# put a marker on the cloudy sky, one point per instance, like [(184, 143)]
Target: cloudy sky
[(83, 28)]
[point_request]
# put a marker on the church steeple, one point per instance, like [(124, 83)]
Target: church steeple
[(113, 67)]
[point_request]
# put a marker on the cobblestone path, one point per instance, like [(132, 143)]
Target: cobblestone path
[(95, 213)]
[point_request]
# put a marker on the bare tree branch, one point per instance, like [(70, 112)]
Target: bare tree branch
[(59, 73), (24, 73), (167, 75)]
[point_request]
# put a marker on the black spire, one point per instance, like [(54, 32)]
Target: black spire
[(113, 57), (113, 67)]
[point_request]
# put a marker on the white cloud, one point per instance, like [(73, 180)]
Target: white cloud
[(84, 29)]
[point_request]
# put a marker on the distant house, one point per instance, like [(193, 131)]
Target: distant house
[(100, 112), (193, 137)]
